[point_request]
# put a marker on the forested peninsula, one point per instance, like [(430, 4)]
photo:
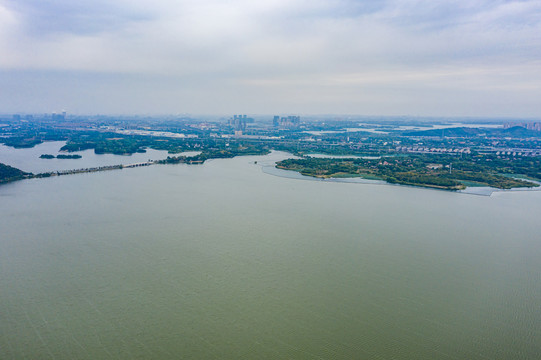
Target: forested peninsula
[(442, 172), (9, 173)]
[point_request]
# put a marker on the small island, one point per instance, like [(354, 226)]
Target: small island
[(61, 156)]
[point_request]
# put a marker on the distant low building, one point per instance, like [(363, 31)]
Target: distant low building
[(415, 149)]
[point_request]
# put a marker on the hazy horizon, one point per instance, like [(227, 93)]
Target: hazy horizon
[(260, 116)]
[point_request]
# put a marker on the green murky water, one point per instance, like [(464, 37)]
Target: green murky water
[(223, 261)]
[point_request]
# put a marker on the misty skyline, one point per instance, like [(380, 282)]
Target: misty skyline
[(396, 57)]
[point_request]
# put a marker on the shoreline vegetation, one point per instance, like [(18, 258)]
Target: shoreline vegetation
[(10, 174), (404, 151), (214, 154), (421, 170), (437, 172)]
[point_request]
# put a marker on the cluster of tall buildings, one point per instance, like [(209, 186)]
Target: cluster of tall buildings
[(238, 122), (54, 116), (529, 125), (288, 122), (18, 117), (59, 116)]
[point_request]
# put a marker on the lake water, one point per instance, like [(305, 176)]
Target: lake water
[(28, 159), (225, 261)]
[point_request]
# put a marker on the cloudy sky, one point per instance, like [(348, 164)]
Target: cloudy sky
[(371, 57)]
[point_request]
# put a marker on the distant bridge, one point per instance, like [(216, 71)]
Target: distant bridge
[(99, 168), (147, 163)]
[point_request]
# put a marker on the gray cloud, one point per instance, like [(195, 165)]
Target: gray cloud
[(47, 17), (308, 56)]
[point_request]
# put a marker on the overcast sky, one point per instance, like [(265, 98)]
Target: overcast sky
[(376, 57)]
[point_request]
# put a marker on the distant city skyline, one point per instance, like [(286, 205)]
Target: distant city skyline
[(419, 58)]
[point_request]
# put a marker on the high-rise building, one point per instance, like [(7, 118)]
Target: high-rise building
[(238, 122), (59, 117), (286, 122)]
